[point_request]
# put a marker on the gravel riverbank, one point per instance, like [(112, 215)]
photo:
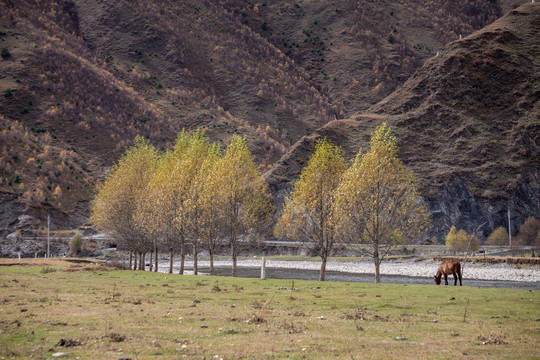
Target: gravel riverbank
[(413, 268)]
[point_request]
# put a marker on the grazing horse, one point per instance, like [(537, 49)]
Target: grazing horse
[(449, 267)]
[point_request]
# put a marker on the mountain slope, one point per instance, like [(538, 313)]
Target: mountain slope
[(80, 79), (468, 124)]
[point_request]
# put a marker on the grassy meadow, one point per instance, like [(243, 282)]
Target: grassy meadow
[(105, 313)]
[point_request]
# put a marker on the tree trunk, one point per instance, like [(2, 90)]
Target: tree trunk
[(142, 261), (182, 259), (234, 265), (234, 255), (211, 253), (155, 259), (130, 259), (323, 268), (195, 253), (151, 264), (171, 255), (376, 262), (377, 274), (135, 261)]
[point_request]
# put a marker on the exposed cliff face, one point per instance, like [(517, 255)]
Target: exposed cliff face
[(455, 204), (468, 125)]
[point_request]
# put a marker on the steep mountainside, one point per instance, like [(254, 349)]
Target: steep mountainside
[(360, 51), (468, 124), (80, 79)]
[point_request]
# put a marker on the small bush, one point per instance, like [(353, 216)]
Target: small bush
[(76, 244), (118, 264), (47, 270), (5, 53)]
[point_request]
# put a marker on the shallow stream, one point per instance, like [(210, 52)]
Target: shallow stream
[(304, 274)]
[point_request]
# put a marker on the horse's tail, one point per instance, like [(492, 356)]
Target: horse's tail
[(459, 272)]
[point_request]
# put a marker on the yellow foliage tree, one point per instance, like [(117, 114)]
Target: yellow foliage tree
[(115, 205), (307, 212), (461, 241), (199, 160), (157, 215), (207, 205), (174, 190), (377, 201), (499, 237), (241, 194)]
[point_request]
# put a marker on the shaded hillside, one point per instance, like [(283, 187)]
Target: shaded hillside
[(468, 124)]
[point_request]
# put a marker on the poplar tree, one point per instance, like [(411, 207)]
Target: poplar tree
[(307, 213), (241, 195), (173, 211), (377, 203), (199, 160), (208, 206), (115, 205), (157, 215), (461, 241)]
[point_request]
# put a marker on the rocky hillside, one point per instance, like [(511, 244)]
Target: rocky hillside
[(80, 79), (468, 124)]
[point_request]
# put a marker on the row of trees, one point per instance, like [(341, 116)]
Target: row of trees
[(374, 204), (462, 241), (529, 235), (192, 194), (195, 194)]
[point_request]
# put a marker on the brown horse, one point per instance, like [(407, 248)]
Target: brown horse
[(449, 267)]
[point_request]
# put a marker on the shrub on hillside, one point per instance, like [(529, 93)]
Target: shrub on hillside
[(5, 53)]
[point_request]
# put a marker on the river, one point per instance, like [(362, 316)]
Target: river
[(345, 276)]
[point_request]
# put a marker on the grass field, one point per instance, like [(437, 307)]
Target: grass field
[(113, 314)]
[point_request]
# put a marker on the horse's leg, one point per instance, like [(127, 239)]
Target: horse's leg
[(455, 278), (445, 279), (459, 274)]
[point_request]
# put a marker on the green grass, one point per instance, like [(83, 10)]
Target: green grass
[(143, 315)]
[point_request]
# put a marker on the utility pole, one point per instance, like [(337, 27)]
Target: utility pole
[(509, 230), (263, 268), (48, 236)]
